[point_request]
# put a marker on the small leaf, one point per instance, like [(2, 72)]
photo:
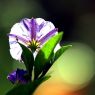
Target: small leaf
[(61, 51), (45, 54), (28, 58), (27, 89)]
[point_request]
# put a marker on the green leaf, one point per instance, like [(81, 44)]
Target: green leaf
[(27, 89), (27, 57), (61, 51), (45, 54)]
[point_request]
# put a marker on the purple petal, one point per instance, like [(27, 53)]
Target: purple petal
[(12, 77), (18, 76), (19, 38), (47, 36)]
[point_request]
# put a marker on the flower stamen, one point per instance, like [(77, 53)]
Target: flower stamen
[(33, 45)]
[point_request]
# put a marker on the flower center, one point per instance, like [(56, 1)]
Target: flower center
[(33, 45)]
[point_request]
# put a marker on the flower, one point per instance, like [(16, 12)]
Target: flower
[(32, 33), (18, 76)]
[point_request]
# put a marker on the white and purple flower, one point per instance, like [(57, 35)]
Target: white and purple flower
[(32, 33)]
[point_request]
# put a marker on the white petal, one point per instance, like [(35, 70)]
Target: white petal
[(47, 28), (40, 20), (19, 29), (16, 51)]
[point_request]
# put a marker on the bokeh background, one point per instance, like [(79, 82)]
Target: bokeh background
[(75, 17)]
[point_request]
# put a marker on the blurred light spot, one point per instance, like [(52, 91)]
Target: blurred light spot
[(55, 88), (75, 67)]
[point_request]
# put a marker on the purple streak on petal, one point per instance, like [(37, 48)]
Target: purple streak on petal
[(33, 28), (12, 42), (47, 36), (41, 26), (19, 38), (25, 21)]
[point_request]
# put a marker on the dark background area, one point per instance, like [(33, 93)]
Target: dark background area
[(75, 17)]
